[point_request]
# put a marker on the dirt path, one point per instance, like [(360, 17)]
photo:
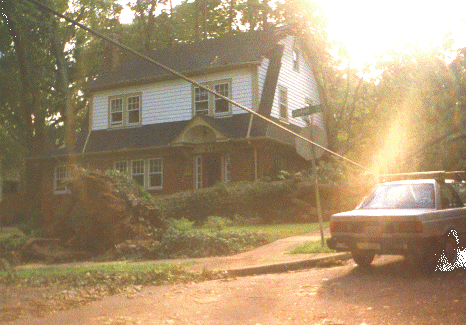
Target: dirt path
[(388, 293)]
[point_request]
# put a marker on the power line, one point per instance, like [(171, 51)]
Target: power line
[(43, 7)]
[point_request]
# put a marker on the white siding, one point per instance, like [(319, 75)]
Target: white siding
[(170, 101), (300, 85)]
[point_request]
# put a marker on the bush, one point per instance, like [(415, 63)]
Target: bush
[(198, 243), (216, 223), (182, 224), (11, 241)]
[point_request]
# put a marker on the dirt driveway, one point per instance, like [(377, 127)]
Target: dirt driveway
[(388, 293)]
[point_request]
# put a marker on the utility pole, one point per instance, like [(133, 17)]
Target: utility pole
[(316, 185)]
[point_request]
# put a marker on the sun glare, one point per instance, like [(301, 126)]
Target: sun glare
[(368, 28)]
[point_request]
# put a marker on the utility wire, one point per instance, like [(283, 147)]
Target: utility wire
[(43, 7)]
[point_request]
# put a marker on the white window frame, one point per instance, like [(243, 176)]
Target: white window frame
[(156, 169), (197, 172), (145, 170), (295, 58), (125, 109), (59, 177), (211, 99), (201, 98), (226, 168), (133, 105), (283, 103), (116, 109), (225, 92), (121, 166), (139, 170)]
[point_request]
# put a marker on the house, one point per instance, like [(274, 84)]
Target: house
[(171, 136)]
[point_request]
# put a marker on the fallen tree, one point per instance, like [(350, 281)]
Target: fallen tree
[(105, 210), (108, 210)]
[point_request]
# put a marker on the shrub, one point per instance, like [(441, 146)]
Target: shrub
[(216, 223), (11, 241), (182, 224), (198, 243)]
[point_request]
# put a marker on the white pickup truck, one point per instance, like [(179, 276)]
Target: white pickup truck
[(422, 218)]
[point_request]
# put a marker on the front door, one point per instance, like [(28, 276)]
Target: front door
[(207, 170), (212, 169)]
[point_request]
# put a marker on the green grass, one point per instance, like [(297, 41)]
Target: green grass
[(311, 247), (110, 268), (281, 230), (8, 232), (275, 231)]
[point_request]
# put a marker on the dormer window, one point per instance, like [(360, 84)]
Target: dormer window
[(221, 105), (125, 110), (201, 101), (283, 103), (209, 104), (295, 60)]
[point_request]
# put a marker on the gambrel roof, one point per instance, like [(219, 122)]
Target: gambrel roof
[(212, 54)]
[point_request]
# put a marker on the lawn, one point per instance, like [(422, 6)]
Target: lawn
[(273, 232), (310, 248), (281, 230)]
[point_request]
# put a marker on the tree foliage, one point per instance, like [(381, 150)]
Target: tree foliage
[(410, 116)]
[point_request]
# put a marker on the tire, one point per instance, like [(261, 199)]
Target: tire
[(450, 247), (363, 258)]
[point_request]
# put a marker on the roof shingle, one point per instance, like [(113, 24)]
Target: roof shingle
[(226, 51)]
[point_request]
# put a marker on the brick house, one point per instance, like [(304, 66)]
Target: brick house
[(172, 136)]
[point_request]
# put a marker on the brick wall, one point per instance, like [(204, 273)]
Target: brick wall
[(177, 170)]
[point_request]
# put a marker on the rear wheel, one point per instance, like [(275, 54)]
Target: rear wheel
[(449, 252), (363, 258)]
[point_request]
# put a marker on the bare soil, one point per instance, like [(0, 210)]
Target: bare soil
[(390, 292)]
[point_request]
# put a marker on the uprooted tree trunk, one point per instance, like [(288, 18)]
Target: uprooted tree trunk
[(104, 211)]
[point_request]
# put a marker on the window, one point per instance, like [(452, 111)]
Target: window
[(449, 198), (137, 171), (155, 173), (125, 110), (147, 173), (295, 60), (221, 105), (400, 196), (116, 111), (198, 172), (226, 168), (121, 166), (208, 104), (283, 103), (133, 109), (201, 101), (60, 175)]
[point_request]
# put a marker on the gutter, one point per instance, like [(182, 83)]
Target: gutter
[(131, 150)]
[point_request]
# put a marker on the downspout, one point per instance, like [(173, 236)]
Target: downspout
[(255, 163), (87, 140), (255, 105), (89, 123), (255, 95)]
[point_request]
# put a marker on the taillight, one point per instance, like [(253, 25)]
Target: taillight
[(338, 226), (410, 227)]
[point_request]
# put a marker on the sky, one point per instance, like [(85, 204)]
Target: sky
[(370, 27)]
